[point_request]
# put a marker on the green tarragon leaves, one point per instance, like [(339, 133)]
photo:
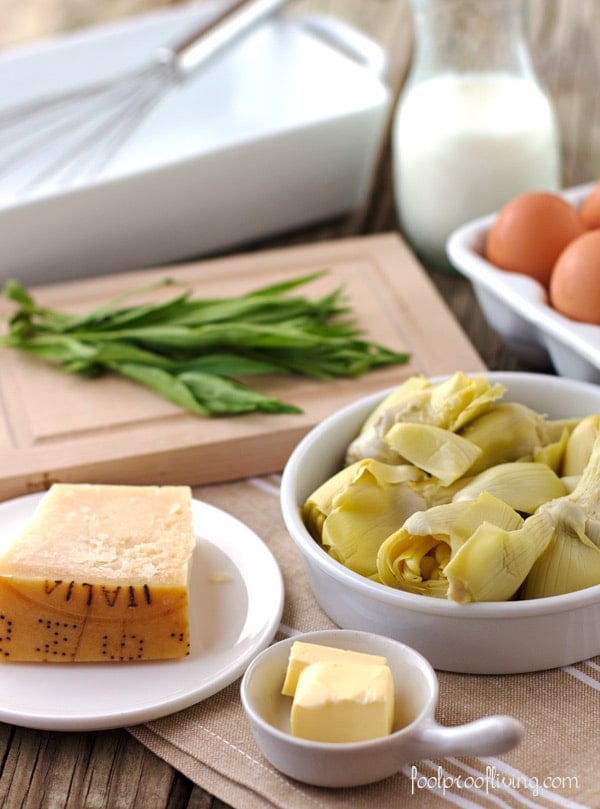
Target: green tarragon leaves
[(196, 352)]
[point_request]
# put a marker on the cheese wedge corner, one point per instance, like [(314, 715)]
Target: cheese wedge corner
[(100, 573)]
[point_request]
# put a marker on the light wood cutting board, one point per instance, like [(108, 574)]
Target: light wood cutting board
[(59, 427)]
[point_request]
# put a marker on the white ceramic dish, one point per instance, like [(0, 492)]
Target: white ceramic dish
[(416, 735), (484, 638), (279, 131), (516, 306), (236, 605)]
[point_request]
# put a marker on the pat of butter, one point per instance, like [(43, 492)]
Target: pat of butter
[(343, 702), (303, 654)]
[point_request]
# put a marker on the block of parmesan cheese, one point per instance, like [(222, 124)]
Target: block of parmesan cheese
[(101, 573)]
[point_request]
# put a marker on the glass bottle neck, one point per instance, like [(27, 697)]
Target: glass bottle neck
[(469, 35)]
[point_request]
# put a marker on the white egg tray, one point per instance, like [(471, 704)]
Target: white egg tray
[(280, 131), (517, 308)]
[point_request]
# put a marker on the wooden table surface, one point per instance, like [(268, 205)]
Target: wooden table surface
[(110, 768)]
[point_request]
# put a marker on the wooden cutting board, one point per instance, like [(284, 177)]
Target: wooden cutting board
[(59, 427)]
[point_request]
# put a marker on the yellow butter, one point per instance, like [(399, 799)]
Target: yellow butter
[(302, 654), (101, 573), (343, 702)]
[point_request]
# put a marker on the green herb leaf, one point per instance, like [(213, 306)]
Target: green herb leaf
[(226, 397), (196, 352)]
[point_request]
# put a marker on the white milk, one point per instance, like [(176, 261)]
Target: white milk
[(464, 144)]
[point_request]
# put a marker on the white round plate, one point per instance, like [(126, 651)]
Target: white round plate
[(236, 601)]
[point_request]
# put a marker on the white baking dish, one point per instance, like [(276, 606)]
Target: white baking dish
[(517, 308), (280, 131)]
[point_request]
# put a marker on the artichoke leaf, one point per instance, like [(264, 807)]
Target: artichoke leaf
[(460, 399), (556, 427), (415, 557), (435, 493), (320, 503), (510, 431), (586, 494), (579, 446), (372, 506), (553, 454), (409, 397), (484, 508), (440, 452), (523, 485), (414, 563), (444, 522), (571, 482), (450, 405), (571, 560), (494, 562)]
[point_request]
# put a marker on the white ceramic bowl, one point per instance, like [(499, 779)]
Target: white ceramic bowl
[(517, 307), (485, 638), (299, 99), (416, 735)]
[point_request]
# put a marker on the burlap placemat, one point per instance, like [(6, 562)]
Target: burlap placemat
[(556, 765)]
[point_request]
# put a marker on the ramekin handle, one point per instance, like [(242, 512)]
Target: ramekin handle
[(483, 737)]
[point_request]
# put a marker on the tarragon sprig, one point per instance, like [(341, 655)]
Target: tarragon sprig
[(195, 352)]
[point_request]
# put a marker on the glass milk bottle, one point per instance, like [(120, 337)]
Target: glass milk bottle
[(473, 127)]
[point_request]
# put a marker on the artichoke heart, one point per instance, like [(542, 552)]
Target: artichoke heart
[(571, 482), (450, 493), (414, 563), (523, 485), (415, 557), (553, 454), (450, 405), (510, 431), (443, 454), (460, 399), (434, 493), (579, 446), (411, 396), (320, 503), (367, 509), (494, 562), (571, 560)]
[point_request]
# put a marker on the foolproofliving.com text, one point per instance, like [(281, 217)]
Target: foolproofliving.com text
[(490, 780)]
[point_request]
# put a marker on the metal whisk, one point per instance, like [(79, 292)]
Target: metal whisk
[(71, 137)]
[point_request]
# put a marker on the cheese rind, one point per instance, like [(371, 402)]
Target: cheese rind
[(101, 573), (343, 702), (303, 654)]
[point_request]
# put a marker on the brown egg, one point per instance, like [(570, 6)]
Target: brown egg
[(530, 232), (590, 208), (575, 279)]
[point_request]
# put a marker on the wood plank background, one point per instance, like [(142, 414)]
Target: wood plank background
[(110, 769)]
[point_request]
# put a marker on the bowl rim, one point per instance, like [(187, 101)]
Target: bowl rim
[(314, 636), (411, 601)]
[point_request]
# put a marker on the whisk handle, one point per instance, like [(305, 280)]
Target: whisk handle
[(208, 39)]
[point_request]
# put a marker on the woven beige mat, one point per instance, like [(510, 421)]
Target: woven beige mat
[(557, 764)]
